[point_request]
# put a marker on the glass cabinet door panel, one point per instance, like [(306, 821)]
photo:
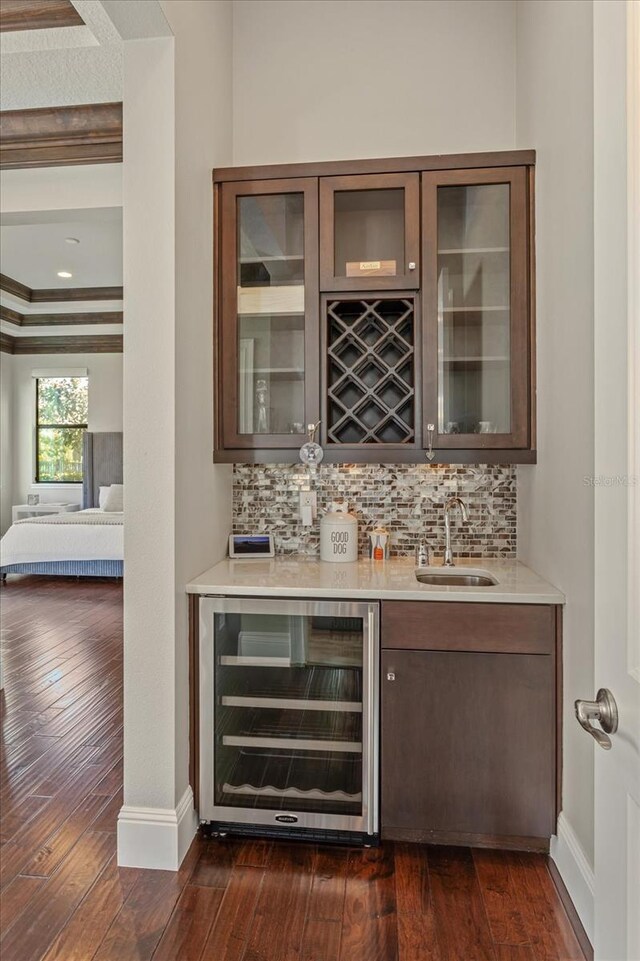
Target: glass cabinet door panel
[(474, 309), (269, 312), (369, 229), (289, 712), (271, 330)]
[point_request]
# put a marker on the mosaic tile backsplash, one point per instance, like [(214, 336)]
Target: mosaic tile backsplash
[(407, 499)]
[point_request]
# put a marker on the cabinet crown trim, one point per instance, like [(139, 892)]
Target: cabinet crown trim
[(336, 168)]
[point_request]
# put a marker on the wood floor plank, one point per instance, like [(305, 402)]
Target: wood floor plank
[(500, 901), (186, 934), (49, 855), (19, 757), (84, 932), (107, 820), (15, 898), (49, 820), (229, 934), (254, 854), (54, 780), (329, 884), (461, 922), (54, 903), (417, 935), (215, 863), (515, 952), (284, 895), (138, 927), (111, 782), (17, 816), (321, 941), (369, 931), (546, 923)]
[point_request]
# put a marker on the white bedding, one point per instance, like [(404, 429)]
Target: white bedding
[(37, 539)]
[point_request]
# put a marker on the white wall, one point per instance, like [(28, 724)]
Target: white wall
[(555, 505), (61, 188), (149, 431), (105, 413), (334, 79), (6, 440), (177, 110), (203, 140)]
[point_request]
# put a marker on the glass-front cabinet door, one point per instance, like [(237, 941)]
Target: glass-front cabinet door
[(370, 232), (269, 306), (476, 303), (288, 713)]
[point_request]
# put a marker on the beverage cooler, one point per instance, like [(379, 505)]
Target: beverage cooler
[(289, 718)]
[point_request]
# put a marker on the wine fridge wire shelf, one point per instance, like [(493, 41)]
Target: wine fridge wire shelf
[(271, 780), (308, 685), (274, 729), (371, 371)]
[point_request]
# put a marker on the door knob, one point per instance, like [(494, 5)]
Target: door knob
[(391, 676), (604, 710)]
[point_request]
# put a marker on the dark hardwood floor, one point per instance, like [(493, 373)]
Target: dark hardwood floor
[(64, 898)]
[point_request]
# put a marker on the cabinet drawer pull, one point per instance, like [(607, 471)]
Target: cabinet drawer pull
[(391, 676)]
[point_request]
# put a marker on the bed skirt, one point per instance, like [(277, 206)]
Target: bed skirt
[(68, 568)]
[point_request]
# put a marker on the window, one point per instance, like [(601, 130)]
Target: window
[(61, 419)]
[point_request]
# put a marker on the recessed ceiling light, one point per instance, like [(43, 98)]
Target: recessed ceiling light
[(65, 274), (72, 240)]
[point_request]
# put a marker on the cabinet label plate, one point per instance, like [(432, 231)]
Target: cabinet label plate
[(380, 268)]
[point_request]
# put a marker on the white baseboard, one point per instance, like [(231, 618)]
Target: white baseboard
[(576, 872), (156, 837)]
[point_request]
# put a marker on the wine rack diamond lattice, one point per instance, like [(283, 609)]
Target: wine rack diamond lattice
[(371, 371)]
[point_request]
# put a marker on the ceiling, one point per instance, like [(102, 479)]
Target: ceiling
[(63, 65), (33, 248), (55, 67)]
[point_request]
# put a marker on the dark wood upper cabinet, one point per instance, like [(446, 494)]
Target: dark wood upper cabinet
[(476, 346), (394, 305), (370, 232), (268, 324)]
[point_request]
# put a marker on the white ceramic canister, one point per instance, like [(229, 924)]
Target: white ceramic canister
[(338, 535)]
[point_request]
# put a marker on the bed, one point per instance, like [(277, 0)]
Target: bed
[(86, 543)]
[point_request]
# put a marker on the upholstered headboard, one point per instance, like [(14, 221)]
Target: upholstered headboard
[(102, 463)]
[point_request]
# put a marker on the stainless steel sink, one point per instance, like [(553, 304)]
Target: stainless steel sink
[(448, 578)]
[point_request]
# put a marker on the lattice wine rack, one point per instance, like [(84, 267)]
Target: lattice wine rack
[(371, 371)]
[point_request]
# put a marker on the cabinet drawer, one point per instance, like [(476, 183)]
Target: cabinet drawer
[(455, 626)]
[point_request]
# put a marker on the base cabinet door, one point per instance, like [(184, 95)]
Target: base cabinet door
[(468, 746)]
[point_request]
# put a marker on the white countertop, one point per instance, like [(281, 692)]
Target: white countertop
[(298, 576)]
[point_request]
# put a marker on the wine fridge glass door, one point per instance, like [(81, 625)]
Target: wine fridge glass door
[(287, 696)]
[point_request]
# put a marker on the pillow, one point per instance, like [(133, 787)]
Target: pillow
[(115, 499), (102, 497)]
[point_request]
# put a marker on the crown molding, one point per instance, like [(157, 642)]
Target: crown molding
[(11, 316), (15, 288), (88, 133), (60, 320), (87, 344), (38, 15), (57, 295), (6, 343)]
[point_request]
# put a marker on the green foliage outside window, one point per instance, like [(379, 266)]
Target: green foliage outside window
[(61, 419)]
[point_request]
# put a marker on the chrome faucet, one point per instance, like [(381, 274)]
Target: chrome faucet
[(448, 507)]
